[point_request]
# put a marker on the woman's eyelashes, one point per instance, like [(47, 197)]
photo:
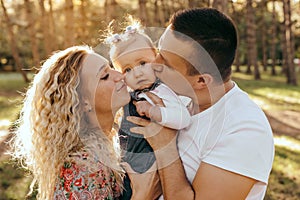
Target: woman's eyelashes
[(111, 65), (105, 77)]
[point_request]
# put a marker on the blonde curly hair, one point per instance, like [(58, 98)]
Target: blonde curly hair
[(51, 125)]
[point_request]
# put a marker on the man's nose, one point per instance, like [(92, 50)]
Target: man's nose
[(118, 76), (158, 64), (159, 59)]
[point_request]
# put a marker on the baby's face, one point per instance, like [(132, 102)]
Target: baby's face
[(136, 65)]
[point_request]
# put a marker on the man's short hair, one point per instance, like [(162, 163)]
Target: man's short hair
[(214, 31)]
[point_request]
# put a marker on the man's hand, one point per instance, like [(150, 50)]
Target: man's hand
[(161, 139), (157, 135)]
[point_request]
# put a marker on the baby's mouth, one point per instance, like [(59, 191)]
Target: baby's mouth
[(141, 81)]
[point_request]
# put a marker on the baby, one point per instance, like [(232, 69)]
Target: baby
[(132, 53)]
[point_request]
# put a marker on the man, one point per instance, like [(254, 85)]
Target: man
[(227, 152)]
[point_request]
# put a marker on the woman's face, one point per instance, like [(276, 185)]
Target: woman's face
[(107, 90)]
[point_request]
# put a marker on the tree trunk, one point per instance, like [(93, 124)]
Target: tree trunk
[(263, 35), (199, 3), (291, 75), (110, 9), (208, 3), (32, 31), (143, 11), (159, 16), (221, 5), (165, 11), (283, 47), (191, 3), (52, 27), (237, 61), (237, 55), (69, 24), (251, 41), (273, 40), (13, 46), (44, 26), (83, 31)]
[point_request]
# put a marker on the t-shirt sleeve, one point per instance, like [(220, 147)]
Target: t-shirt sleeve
[(245, 148)]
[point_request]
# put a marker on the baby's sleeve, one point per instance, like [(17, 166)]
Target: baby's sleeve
[(175, 113)]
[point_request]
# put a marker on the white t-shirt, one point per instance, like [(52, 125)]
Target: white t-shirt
[(175, 113), (234, 134)]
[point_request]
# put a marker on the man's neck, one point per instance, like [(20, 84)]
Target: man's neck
[(214, 95)]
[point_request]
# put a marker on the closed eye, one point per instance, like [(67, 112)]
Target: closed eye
[(127, 70), (105, 77)]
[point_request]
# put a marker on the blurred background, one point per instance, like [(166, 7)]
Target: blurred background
[(267, 64)]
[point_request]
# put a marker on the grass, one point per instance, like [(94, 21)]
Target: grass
[(14, 182), (271, 93), (284, 181), (12, 85)]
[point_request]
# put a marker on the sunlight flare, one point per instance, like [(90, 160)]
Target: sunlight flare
[(287, 143)]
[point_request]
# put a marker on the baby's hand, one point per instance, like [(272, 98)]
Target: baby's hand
[(143, 108)]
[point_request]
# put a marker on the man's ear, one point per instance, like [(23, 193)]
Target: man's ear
[(202, 81)]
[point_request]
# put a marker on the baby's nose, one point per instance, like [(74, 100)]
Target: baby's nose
[(137, 71)]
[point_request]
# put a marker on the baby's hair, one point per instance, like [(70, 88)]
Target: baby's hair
[(119, 42)]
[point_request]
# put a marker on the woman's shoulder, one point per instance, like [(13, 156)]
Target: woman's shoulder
[(83, 176)]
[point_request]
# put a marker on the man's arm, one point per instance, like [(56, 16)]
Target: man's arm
[(210, 181), (171, 172), (150, 178), (172, 176)]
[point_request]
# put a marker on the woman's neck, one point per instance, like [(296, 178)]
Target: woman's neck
[(106, 122)]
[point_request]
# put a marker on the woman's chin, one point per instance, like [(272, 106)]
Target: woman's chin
[(120, 101)]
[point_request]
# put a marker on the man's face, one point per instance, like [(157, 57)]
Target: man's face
[(170, 66)]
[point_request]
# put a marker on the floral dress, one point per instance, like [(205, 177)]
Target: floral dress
[(76, 182)]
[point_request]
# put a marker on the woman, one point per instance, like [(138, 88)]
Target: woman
[(64, 135)]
